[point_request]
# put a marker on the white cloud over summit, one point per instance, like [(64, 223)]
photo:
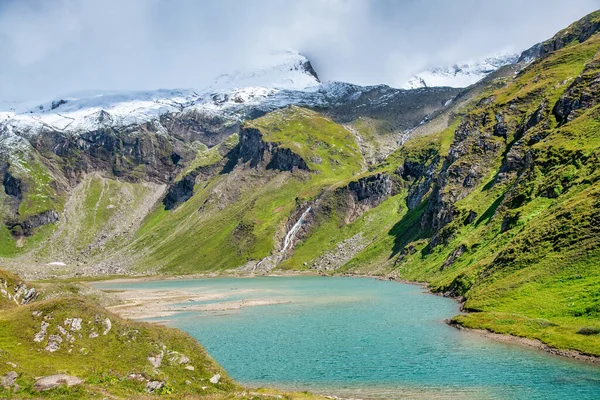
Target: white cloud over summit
[(54, 47)]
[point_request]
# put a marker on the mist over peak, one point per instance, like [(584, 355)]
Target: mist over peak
[(54, 48)]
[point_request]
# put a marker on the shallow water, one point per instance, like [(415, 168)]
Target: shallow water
[(365, 338)]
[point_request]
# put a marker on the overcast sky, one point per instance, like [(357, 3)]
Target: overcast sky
[(50, 48)]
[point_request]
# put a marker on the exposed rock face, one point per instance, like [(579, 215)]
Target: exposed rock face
[(366, 193), (403, 109), (472, 153), (420, 176), (192, 125), (372, 189), (459, 251), (531, 54), (12, 186), (53, 381), (180, 192), (28, 226), (116, 151), (470, 218), (501, 128), (253, 151), (285, 160), (581, 95)]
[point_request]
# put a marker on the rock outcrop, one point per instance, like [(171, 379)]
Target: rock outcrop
[(253, 151), (180, 192), (28, 226), (17, 291), (582, 93), (9, 380), (12, 186), (54, 381), (471, 155), (366, 193)]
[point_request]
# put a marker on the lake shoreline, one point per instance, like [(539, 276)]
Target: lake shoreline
[(502, 337), (529, 342)]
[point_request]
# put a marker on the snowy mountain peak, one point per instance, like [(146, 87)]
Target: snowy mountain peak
[(460, 74), (285, 70), (279, 78)]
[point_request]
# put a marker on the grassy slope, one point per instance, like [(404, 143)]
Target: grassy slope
[(242, 213), (40, 195), (101, 215), (89, 358)]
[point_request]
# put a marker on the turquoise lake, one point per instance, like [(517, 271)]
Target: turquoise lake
[(364, 338)]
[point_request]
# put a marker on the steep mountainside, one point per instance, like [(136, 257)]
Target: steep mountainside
[(490, 194), (510, 221)]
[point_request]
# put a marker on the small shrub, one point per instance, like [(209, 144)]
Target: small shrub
[(588, 331), (166, 390)]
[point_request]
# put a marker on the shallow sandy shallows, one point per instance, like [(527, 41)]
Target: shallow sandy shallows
[(158, 303)]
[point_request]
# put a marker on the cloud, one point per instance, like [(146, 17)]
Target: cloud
[(57, 47)]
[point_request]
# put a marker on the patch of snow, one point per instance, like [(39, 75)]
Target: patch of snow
[(461, 74), (284, 70)]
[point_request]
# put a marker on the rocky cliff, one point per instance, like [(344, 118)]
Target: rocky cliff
[(253, 151)]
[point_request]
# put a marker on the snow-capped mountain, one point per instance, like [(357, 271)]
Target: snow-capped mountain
[(461, 74), (285, 70), (285, 78)]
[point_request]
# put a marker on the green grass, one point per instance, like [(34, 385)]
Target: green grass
[(221, 237), (103, 362), (325, 146), (205, 157), (10, 248), (39, 194)]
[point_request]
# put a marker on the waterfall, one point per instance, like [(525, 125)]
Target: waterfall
[(292, 233)]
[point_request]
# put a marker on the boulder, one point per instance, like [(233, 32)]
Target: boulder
[(9, 379), (151, 386), (53, 381), (156, 360)]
